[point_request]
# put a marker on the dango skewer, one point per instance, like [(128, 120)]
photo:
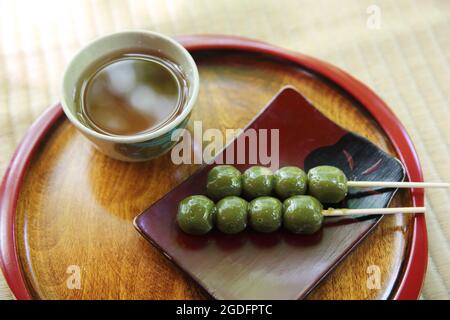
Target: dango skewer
[(301, 214), (327, 183)]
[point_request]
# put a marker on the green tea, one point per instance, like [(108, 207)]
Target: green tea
[(131, 94)]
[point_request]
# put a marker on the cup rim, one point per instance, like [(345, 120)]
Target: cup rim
[(143, 136)]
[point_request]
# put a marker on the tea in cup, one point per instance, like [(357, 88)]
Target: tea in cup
[(129, 91)]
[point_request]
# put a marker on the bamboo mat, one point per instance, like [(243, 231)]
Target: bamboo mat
[(406, 61)]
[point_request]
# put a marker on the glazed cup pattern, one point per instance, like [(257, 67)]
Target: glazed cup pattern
[(140, 147)]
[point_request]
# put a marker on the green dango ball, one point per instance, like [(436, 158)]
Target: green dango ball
[(257, 181), (328, 184), (290, 181), (265, 214), (302, 214), (231, 214), (196, 215), (223, 181)]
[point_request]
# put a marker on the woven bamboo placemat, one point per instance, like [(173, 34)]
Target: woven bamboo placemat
[(401, 49)]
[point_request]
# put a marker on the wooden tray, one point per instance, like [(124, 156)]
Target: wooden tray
[(63, 204)]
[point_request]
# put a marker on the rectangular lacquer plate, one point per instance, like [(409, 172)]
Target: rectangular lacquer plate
[(278, 265)]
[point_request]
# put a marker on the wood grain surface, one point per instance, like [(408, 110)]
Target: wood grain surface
[(77, 206)]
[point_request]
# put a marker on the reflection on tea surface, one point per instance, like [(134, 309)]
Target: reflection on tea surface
[(132, 94)]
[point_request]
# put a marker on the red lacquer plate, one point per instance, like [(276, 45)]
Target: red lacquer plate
[(410, 280), (278, 265)]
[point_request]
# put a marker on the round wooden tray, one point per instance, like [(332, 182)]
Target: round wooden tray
[(64, 204)]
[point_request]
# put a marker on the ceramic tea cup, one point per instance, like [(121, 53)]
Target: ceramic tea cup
[(142, 146)]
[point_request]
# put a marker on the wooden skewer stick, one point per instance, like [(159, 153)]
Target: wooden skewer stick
[(392, 184), (352, 212)]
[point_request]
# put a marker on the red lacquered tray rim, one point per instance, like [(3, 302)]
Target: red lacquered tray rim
[(410, 282)]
